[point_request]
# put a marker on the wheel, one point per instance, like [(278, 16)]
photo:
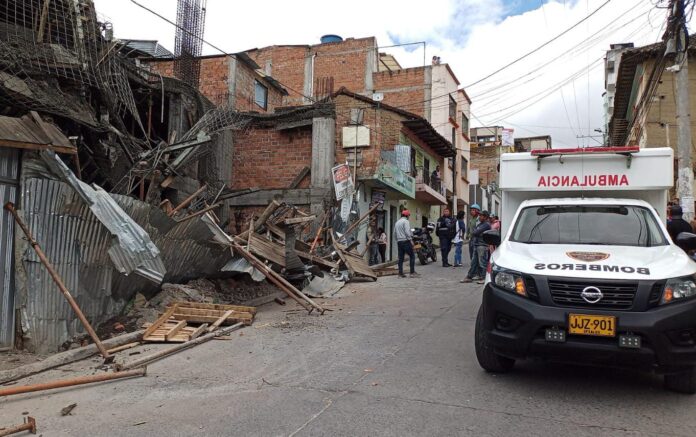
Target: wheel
[(422, 258), (682, 382), (489, 360), (433, 254)]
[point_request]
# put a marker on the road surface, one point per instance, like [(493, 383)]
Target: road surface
[(394, 358)]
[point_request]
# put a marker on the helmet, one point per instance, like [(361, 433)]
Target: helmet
[(431, 226), (476, 206), (406, 213), (676, 211)]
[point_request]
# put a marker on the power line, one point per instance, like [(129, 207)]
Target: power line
[(540, 47)]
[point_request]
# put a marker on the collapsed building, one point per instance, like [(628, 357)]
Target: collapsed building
[(96, 152)]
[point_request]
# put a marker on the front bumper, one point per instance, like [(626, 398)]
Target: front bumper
[(523, 334)]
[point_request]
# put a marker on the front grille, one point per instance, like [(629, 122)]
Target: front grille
[(616, 295), (530, 286)]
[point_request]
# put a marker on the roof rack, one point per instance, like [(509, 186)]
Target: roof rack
[(627, 151)]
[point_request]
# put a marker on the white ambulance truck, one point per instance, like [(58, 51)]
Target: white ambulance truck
[(586, 272)]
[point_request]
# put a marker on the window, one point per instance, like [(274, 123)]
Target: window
[(588, 224), (465, 168), (260, 95), (454, 137), (452, 108), (465, 124)]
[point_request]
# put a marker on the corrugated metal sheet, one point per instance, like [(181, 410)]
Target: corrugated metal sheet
[(135, 251), (9, 170)]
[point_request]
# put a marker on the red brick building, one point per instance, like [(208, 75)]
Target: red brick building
[(235, 80)]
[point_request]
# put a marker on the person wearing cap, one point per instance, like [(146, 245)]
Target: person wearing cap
[(677, 225), (473, 221), (477, 270), (404, 243)]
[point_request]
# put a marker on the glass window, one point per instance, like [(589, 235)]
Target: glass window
[(465, 124), (588, 224), (452, 108), (260, 95), (465, 168)]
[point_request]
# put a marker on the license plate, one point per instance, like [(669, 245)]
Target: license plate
[(416, 246), (585, 324)]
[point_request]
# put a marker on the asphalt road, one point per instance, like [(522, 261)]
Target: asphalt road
[(395, 358)]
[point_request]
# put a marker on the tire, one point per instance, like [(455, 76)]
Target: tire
[(422, 258), (682, 382), (433, 254), (489, 360)]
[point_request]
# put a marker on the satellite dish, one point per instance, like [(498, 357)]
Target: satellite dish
[(378, 97)]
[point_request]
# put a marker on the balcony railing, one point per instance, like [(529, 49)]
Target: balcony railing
[(425, 178)]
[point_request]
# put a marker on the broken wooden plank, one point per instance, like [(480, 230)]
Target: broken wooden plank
[(219, 321), (162, 319), (215, 306), (298, 220), (245, 318), (175, 330), (124, 347), (200, 330)]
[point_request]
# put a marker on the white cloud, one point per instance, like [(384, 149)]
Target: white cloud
[(474, 36)]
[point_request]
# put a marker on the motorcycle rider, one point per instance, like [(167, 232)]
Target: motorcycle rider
[(446, 229)]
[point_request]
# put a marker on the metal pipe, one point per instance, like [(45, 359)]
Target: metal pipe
[(59, 282), (72, 382), (28, 425)]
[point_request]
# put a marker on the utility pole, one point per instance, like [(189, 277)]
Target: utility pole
[(685, 179)]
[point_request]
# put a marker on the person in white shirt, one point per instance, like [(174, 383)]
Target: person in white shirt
[(458, 240), (404, 242)]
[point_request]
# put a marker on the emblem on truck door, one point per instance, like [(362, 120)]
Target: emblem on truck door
[(592, 294), (588, 256)]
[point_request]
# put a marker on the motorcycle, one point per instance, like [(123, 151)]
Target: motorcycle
[(423, 244)]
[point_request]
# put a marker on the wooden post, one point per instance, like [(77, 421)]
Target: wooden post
[(188, 200), (360, 220), (71, 382), (59, 282), (319, 229)]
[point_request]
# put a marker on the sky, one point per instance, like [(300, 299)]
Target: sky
[(555, 91)]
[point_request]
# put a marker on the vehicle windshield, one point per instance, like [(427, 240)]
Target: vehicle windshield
[(588, 224)]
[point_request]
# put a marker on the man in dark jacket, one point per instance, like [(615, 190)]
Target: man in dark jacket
[(677, 225), (477, 271), (446, 229)]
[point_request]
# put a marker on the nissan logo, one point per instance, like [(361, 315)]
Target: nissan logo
[(592, 294)]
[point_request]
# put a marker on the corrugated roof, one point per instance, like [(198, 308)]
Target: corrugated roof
[(149, 48)]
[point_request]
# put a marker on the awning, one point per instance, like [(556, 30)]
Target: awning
[(426, 132)]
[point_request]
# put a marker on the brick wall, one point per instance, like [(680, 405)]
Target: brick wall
[(385, 129), (344, 62), (486, 160), (287, 66), (214, 83), (404, 89), (271, 159)]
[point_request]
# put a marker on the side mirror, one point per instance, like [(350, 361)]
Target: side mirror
[(493, 237), (686, 241)]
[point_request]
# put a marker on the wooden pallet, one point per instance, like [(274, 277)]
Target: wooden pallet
[(174, 331)]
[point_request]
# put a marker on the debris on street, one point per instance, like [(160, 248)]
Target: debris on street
[(72, 382), (28, 425)]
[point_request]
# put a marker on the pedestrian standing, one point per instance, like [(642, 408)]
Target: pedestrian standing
[(477, 271), (458, 240), (404, 243), (446, 229), (473, 221), (677, 225), (383, 242)]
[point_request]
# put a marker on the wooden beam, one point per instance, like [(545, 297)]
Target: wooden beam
[(33, 146), (200, 330), (175, 330), (188, 200), (298, 220), (301, 175), (163, 318), (219, 321), (124, 347)]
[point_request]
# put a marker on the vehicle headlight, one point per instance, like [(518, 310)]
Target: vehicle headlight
[(508, 280), (678, 289)]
